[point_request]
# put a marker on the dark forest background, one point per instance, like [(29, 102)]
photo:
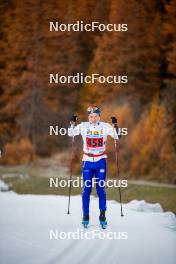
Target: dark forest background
[(146, 105)]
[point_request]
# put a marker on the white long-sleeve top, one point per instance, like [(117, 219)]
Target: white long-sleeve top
[(94, 138)]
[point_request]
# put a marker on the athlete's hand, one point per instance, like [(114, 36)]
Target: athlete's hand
[(73, 120), (114, 120), (72, 123)]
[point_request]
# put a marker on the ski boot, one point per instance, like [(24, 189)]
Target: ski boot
[(85, 221), (102, 219)]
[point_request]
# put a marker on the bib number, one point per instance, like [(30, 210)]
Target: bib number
[(94, 142)]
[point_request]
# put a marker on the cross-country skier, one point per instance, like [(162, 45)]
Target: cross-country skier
[(94, 134)]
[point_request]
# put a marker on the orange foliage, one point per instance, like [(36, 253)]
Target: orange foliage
[(151, 145), (18, 152)]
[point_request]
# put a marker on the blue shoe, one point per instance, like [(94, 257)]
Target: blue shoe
[(103, 224), (85, 221), (102, 219)]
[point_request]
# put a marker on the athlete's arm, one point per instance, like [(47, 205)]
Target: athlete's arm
[(74, 130)]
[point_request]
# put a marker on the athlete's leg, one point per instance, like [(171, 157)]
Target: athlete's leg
[(87, 173), (100, 174)]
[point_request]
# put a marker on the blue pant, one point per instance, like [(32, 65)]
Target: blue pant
[(89, 170)]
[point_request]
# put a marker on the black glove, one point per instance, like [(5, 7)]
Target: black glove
[(114, 120), (114, 123), (73, 119)]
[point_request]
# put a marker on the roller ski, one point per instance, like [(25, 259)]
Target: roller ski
[(85, 221), (102, 219)]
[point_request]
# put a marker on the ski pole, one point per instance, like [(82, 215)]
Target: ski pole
[(73, 121), (115, 128)]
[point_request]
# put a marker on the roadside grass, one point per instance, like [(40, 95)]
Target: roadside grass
[(41, 185)]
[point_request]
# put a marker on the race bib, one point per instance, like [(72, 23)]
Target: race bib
[(94, 142)]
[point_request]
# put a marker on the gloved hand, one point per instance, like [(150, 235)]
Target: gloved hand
[(114, 123), (73, 120), (114, 120)]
